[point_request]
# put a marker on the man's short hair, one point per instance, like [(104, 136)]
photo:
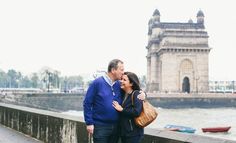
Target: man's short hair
[(114, 64)]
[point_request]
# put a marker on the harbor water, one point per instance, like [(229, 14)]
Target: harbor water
[(198, 118), (194, 117)]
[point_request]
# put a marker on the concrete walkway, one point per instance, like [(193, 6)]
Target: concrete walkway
[(8, 135)]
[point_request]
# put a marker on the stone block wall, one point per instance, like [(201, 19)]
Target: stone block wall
[(53, 127)]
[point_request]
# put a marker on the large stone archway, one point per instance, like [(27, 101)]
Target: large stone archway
[(176, 51)]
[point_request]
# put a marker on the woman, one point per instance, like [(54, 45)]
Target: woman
[(130, 132)]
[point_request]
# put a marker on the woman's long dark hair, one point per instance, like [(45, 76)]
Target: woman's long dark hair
[(133, 78)]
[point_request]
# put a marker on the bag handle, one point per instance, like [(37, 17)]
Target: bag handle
[(132, 98)]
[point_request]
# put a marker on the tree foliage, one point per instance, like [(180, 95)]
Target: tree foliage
[(46, 79)]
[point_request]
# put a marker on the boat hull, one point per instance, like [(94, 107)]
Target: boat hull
[(180, 128), (216, 129)]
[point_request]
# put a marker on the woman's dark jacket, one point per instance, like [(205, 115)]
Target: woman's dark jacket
[(128, 126)]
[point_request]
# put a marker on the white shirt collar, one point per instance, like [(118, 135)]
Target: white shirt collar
[(108, 80)]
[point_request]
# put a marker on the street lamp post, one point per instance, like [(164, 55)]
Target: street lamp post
[(233, 85), (65, 85), (17, 82), (49, 80)]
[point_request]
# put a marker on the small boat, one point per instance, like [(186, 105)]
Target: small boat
[(216, 129), (180, 128)]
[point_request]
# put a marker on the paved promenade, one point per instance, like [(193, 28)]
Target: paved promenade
[(8, 135)]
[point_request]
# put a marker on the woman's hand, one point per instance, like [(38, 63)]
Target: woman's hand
[(117, 106), (142, 95)]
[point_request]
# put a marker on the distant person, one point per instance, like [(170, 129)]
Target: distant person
[(100, 116), (130, 132)]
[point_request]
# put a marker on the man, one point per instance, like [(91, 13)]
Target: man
[(100, 116)]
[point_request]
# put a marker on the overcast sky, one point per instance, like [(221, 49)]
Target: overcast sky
[(82, 36)]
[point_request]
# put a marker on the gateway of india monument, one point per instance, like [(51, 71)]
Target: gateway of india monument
[(177, 56)]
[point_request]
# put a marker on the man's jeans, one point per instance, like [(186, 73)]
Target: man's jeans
[(106, 134)]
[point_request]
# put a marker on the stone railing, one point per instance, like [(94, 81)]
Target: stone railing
[(47, 126), (54, 127)]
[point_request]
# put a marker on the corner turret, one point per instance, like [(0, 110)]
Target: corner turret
[(156, 16), (200, 17)]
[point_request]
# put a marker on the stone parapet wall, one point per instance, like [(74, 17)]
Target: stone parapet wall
[(54, 127), (47, 101), (66, 102), (47, 126), (182, 100), (192, 95)]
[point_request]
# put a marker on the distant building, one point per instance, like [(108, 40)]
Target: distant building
[(79, 90), (177, 55), (99, 73), (20, 90), (222, 86)]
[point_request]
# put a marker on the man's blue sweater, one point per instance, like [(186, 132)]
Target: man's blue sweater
[(98, 109)]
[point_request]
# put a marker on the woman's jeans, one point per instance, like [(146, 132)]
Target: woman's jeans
[(106, 134), (132, 139)]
